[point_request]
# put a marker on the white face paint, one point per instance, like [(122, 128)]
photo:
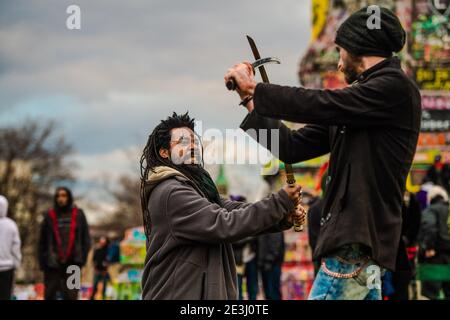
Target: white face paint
[(185, 147)]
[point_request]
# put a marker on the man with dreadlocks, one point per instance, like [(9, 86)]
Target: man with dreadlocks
[(189, 227)]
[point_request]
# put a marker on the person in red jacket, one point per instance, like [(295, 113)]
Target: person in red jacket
[(64, 241)]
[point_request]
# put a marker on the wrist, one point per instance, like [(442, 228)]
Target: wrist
[(252, 87), (248, 89), (245, 101), (250, 106)]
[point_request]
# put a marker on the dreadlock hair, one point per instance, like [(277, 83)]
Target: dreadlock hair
[(150, 159)]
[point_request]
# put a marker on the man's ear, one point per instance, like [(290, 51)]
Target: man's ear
[(164, 153)]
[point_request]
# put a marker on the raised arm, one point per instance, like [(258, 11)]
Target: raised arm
[(294, 146), (374, 103)]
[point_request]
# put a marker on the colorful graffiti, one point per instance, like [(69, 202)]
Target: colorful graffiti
[(435, 102), (436, 78)]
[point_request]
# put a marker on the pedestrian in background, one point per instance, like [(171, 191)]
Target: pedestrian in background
[(439, 173), (434, 239), (246, 262), (271, 249), (64, 241), (10, 255), (101, 262)]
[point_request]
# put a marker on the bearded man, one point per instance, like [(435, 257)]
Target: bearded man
[(370, 129), (189, 227)]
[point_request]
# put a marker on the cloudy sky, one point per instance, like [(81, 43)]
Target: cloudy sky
[(134, 62)]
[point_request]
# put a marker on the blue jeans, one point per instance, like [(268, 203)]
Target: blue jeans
[(331, 282)]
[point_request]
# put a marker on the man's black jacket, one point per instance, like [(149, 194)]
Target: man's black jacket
[(371, 130)]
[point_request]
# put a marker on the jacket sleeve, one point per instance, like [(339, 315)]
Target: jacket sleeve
[(428, 230), (42, 245), (16, 248), (290, 146), (372, 103), (194, 219), (231, 205), (279, 227)]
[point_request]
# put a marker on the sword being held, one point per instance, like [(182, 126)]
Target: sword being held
[(298, 226), (231, 84), (290, 179)]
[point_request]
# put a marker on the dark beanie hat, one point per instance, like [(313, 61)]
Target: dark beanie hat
[(354, 35)]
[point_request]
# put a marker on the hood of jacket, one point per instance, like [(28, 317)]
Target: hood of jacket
[(159, 175), (436, 191), (3, 207)]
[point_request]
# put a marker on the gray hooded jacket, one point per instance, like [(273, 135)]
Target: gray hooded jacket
[(10, 255), (189, 252)]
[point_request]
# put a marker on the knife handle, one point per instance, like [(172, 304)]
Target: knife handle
[(231, 84), (297, 227)]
